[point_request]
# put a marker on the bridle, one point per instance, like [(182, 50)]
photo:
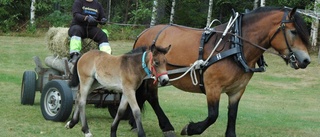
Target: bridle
[(151, 72), (282, 26), (292, 58)]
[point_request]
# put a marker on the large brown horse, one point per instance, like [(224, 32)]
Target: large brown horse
[(232, 64), (120, 74)]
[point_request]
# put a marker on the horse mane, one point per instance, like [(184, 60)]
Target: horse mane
[(299, 23), (302, 30)]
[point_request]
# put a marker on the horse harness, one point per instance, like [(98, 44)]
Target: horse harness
[(151, 72), (236, 50)]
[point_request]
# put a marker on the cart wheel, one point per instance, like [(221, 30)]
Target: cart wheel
[(56, 101), (28, 88), (113, 108)]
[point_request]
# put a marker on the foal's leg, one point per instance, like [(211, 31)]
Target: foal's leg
[(232, 113), (79, 109), (148, 91), (153, 100), (75, 116), (213, 98), (125, 99), (135, 110), (141, 96), (121, 110), (84, 91)]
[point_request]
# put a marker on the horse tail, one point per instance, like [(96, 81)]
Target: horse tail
[(75, 78)]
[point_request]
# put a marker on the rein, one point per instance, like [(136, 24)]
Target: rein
[(252, 44), (87, 28)]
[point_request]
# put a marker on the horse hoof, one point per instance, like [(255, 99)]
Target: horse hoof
[(185, 130), (67, 125), (169, 134), (88, 135)]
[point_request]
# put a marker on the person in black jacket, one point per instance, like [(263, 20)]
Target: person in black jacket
[(86, 16)]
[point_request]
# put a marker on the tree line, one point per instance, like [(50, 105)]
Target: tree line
[(15, 14)]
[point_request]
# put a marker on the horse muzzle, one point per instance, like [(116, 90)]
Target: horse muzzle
[(299, 59), (164, 79)]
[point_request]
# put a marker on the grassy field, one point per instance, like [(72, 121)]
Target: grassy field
[(281, 102)]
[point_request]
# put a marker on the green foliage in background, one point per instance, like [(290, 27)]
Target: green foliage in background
[(15, 14), (58, 19), (142, 14), (117, 32)]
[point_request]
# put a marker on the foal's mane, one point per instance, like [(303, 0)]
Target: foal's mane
[(299, 23), (145, 48), (137, 50)]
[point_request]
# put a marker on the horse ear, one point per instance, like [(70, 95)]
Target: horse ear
[(292, 12), (168, 48), (153, 47)]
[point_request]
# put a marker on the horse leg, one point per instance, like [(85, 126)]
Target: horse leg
[(79, 109), (82, 110), (213, 112), (85, 85), (135, 111), (141, 96), (121, 110), (75, 115), (232, 113)]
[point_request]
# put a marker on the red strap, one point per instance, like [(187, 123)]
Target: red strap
[(153, 70)]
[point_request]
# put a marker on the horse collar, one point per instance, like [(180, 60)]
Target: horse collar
[(144, 65), (238, 44)]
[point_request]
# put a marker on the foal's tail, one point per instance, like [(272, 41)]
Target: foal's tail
[(75, 78)]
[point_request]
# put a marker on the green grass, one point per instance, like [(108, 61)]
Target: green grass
[(280, 102)]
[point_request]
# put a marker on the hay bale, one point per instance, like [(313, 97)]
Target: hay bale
[(58, 42)]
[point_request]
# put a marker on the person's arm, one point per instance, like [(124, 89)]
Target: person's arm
[(77, 10), (102, 16)]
